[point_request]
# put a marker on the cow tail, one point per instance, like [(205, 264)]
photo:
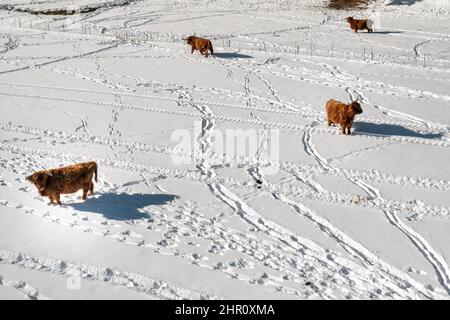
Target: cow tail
[(211, 47), (95, 171)]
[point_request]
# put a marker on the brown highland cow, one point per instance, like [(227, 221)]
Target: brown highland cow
[(365, 24), (342, 114), (200, 44), (54, 182)]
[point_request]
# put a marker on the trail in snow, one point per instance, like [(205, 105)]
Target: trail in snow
[(28, 290), (331, 197), (139, 283), (438, 262), (134, 71)]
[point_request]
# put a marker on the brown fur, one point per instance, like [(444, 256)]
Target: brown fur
[(363, 24), (54, 182), (200, 44), (342, 114)]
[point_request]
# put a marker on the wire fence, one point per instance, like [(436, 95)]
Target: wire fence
[(235, 42)]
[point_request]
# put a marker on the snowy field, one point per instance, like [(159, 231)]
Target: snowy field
[(179, 212)]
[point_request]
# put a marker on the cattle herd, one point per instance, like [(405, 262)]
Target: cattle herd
[(66, 180)]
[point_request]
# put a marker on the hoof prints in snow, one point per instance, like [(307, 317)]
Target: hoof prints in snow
[(149, 286), (258, 81)]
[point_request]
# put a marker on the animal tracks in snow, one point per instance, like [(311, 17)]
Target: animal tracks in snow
[(224, 217)]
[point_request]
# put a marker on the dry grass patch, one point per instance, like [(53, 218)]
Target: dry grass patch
[(346, 4)]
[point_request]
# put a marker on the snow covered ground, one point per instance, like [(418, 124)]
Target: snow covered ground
[(178, 212)]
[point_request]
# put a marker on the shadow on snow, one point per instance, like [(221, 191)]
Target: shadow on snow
[(122, 206), (391, 130), (386, 32), (403, 2), (231, 55)]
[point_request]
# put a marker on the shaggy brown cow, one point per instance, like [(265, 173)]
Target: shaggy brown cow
[(54, 182), (357, 24), (203, 45), (342, 114)]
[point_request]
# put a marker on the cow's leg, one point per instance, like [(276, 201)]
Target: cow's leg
[(343, 128), (58, 199), (86, 188), (51, 199), (192, 49), (329, 122), (349, 127), (91, 189), (206, 52)]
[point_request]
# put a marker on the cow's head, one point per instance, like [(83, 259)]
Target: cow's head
[(40, 180), (356, 107), (190, 39), (349, 19)]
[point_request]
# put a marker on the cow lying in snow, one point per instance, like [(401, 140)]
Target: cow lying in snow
[(356, 24), (342, 114), (200, 44), (54, 182)]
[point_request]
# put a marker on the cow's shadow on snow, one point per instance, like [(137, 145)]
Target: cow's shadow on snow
[(391, 130), (403, 2), (386, 32), (231, 55), (122, 206)]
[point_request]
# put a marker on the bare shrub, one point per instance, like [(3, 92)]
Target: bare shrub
[(346, 4)]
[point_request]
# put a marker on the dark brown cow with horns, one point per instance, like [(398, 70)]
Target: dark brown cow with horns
[(54, 182)]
